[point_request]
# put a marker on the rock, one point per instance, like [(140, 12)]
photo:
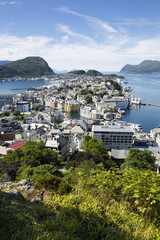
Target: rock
[(15, 194), (23, 189), (24, 182)]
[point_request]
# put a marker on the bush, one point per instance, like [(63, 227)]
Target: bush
[(53, 183), (35, 172)]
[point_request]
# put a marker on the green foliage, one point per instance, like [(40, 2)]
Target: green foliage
[(16, 113), (53, 183), (101, 206), (93, 73), (32, 154), (35, 154), (78, 72), (102, 94), (95, 146), (5, 114), (86, 91), (27, 67), (88, 99), (141, 189), (36, 108), (25, 171), (41, 109), (139, 159)]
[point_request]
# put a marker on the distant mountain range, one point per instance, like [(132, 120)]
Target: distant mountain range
[(145, 67), (27, 67), (4, 62)]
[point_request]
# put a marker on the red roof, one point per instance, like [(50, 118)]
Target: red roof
[(17, 145)]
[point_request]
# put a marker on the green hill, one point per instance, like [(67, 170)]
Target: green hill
[(78, 72), (93, 73), (145, 67), (27, 67)]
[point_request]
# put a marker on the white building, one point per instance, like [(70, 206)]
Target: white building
[(114, 137), (135, 100), (22, 106), (90, 112)]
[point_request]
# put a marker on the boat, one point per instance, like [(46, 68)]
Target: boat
[(121, 111), (118, 116)]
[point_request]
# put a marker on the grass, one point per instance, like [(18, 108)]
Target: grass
[(84, 214)]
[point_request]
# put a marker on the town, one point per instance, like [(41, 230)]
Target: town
[(72, 107)]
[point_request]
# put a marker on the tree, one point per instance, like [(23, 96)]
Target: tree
[(139, 159), (95, 146), (5, 114), (85, 91), (88, 99), (16, 113), (41, 109), (36, 108), (35, 154), (34, 172), (11, 170), (31, 155)]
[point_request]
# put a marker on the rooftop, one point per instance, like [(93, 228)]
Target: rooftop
[(111, 128)]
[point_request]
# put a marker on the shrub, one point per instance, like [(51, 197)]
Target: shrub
[(53, 183)]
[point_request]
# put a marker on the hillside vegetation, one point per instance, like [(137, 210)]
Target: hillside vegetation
[(27, 67), (92, 73), (93, 199), (145, 67)]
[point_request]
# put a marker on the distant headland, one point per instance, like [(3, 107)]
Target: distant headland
[(145, 67)]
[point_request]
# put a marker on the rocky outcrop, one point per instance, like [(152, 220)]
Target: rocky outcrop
[(23, 190)]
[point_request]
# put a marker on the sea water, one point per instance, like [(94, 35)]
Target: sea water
[(147, 87)]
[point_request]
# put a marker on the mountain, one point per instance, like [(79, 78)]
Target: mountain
[(78, 72), (27, 67), (93, 73), (4, 62), (145, 67)]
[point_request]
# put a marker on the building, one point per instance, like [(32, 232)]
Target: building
[(22, 106), (60, 144), (90, 113), (71, 106), (113, 137), (6, 99), (8, 129)]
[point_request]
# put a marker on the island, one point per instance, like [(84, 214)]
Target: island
[(145, 67)]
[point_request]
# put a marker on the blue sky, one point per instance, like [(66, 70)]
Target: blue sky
[(85, 34)]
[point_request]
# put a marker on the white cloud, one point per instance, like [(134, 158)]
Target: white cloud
[(67, 30), (64, 55), (93, 21), (9, 3), (65, 39), (137, 22)]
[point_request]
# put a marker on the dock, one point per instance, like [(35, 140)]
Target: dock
[(150, 104)]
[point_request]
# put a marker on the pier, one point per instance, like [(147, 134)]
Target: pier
[(150, 104)]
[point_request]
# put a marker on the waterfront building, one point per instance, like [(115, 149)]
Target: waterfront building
[(90, 113), (135, 100), (71, 106), (113, 137)]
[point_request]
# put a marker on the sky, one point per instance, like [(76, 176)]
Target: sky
[(81, 34)]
